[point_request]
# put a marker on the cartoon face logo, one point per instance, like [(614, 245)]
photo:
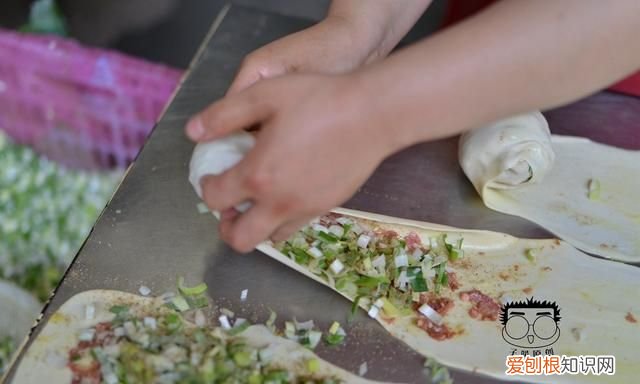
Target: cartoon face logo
[(530, 324)]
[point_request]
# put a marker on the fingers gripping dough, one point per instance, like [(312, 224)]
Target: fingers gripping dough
[(215, 157)]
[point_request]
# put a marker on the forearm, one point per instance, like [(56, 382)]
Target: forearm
[(377, 25), (515, 57)]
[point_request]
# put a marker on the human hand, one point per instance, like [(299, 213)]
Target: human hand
[(318, 142), (333, 46)]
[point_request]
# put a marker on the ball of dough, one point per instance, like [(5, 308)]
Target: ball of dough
[(507, 153), (215, 157)]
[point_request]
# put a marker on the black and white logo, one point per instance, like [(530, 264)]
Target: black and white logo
[(530, 324)]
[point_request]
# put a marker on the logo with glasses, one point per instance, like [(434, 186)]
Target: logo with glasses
[(531, 324)]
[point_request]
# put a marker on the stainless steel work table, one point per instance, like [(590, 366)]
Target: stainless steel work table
[(151, 231)]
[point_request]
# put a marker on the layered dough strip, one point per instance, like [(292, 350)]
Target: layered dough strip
[(584, 192), (593, 294)]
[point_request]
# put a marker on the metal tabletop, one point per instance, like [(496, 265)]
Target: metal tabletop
[(151, 231)]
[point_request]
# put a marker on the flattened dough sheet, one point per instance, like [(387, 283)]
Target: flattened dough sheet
[(519, 168), (596, 297)]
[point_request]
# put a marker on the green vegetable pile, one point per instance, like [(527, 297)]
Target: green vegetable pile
[(438, 373), (388, 270), (46, 212), (167, 349), (162, 346)]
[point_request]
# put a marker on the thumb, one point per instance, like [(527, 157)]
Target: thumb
[(257, 66), (231, 113), (243, 80)]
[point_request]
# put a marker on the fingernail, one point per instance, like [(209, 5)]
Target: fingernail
[(195, 129)]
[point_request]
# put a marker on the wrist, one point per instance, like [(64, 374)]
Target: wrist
[(372, 117), (361, 38), (379, 25)]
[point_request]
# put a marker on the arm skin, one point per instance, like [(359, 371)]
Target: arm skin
[(516, 56), (379, 24)]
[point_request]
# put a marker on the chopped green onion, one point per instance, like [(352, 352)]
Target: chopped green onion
[(455, 251), (119, 310), (341, 283), (328, 237), (314, 338), (455, 254), (239, 328), (371, 281), (335, 335), (347, 228), (439, 373), (173, 321), (303, 325), (191, 291), (265, 355), (373, 311), (336, 266), (401, 260), (313, 365), (202, 208), (416, 279), (199, 301), (594, 189), (419, 284), (444, 280), (530, 254), (363, 241), (277, 377), (271, 321), (255, 378), (441, 273), (413, 272), (334, 339), (242, 358), (441, 276), (354, 307), (347, 286), (290, 330), (180, 304), (335, 326), (300, 255), (224, 322), (315, 252), (389, 308)]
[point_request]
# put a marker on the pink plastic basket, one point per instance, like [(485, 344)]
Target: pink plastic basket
[(83, 107)]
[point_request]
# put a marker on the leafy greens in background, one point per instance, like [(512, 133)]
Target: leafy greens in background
[(46, 211), (46, 18)]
